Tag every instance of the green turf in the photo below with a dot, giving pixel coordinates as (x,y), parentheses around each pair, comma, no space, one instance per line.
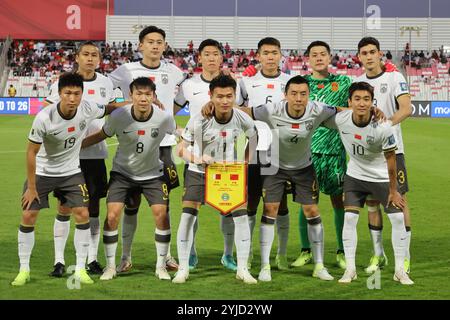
(427,154)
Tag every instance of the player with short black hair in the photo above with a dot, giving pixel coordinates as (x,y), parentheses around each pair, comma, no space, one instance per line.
(167,77)
(59,128)
(205,141)
(97,89)
(139,127)
(328,154)
(371,171)
(392,97)
(266,86)
(195,92)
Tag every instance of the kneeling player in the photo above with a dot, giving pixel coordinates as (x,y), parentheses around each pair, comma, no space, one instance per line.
(371,171)
(213,140)
(139,127)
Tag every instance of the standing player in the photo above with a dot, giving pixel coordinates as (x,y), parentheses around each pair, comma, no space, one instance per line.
(328,154)
(59,128)
(371,170)
(195,92)
(267,86)
(166,76)
(206,141)
(295,120)
(392,97)
(139,127)
(97,89)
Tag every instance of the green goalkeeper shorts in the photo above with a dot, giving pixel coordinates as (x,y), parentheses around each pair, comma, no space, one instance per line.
(330,171)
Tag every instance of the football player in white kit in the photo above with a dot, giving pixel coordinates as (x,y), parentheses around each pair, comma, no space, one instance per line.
(53,164)
(140,127)
(205,141)
(392,97)
(292,122)
(166,76)
(98,89)
(267,86)
(195,92)
(372,171)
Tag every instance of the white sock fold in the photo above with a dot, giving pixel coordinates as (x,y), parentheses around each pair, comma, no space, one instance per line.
(399,238)
(162,240)
(242,240)
(377,241)
(25,245)
(227,228)
(94,239)
(315,235)
(110,247)
(350,238)
(266,236)
(184,239)
(61,230)
(81,242)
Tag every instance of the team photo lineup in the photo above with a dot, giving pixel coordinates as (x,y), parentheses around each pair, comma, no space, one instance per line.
(296,136)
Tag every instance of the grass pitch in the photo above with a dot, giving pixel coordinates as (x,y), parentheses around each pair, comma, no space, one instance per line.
(427,159)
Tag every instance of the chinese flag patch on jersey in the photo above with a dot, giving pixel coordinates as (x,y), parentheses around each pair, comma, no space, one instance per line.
(320,86)
(358,137)
(223,133)
(71,129)
(234,177)
(141,132)
(270,86)
(91,91)
(152,78)
(296,126)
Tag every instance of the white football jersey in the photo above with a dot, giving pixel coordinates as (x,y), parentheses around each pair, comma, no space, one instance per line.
(365,146)
(294,134)
(215,139)
(258,90)
(61,138)
(195,92)
(137,155)
(388,87)
(98,90)
(166,78)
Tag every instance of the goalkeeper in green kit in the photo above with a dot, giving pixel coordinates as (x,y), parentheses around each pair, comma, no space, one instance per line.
(328,153)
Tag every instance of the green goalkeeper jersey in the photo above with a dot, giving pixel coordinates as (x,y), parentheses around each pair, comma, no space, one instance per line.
(333,91)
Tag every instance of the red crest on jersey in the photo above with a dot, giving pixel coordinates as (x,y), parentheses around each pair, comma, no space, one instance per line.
(91,91)
(335,86)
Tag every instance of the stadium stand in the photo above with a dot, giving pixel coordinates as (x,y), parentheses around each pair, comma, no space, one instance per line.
(34,65)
